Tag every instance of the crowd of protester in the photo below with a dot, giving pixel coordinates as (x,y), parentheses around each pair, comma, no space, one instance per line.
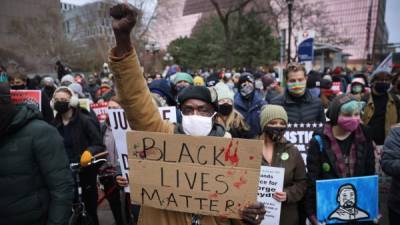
(359,110)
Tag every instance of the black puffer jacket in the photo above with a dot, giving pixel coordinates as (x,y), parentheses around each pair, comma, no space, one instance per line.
(390,163)
(318,161)
(301,110)
(82,133)
(36,186)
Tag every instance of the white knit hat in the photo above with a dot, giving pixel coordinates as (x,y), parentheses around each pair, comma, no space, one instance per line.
(223,91)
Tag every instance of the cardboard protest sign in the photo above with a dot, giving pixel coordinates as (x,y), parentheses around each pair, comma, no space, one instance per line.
(300,135)
(347,199)
(202,175)
(29,97)
(168,113)
(100,109)
(271,181)
(84,103)
(120,126)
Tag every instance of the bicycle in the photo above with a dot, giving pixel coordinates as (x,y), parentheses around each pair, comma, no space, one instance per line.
(79,214)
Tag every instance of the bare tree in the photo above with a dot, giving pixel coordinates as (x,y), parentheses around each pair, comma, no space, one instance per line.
(39,40)
(310,16)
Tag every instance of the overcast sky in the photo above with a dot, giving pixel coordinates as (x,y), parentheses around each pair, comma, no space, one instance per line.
(392,15)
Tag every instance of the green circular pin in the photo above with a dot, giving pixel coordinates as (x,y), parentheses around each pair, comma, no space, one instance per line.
(326,167)
(285,156)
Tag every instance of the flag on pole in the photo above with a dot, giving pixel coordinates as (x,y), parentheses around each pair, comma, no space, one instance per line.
(386,64)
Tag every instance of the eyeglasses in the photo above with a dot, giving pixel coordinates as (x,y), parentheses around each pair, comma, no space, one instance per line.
(201,111)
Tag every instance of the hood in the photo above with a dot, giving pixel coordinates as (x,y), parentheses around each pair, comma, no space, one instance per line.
(24,115)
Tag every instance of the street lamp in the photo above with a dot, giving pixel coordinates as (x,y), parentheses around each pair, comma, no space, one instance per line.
(290,7)
(152,47)
(168,58)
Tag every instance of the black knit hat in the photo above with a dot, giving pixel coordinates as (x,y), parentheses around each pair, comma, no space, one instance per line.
(197,92)
(245,77)
(336,104)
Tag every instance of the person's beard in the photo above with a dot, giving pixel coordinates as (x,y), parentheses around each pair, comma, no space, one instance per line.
(348,204)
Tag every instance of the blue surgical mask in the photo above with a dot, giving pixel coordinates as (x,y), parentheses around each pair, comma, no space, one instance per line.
(315,92)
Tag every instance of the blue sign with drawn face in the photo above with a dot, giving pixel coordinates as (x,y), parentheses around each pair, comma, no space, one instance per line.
(347,199)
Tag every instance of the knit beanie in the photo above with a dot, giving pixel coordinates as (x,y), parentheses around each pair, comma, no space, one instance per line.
(77,89)
(212,80)
(267,80)
(198,81)
(197,92)
(223,91)
(183,77)
(336,104)
(270,112)
(245,77)
(67,78)
(163,88)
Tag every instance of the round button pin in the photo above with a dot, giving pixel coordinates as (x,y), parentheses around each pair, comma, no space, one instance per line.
(326,167)
(285,156)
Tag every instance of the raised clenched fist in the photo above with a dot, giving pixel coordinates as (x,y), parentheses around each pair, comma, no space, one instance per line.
(125,17)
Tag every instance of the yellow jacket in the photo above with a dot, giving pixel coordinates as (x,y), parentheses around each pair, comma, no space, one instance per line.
(142,115)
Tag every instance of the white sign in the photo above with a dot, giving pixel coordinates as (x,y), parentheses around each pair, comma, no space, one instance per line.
(168,113)
(120,126)
(271,181)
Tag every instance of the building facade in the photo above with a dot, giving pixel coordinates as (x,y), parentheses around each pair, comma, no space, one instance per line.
(353,19)
(67,6)
(89,22)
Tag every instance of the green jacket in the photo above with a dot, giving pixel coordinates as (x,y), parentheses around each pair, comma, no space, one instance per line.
(36,185)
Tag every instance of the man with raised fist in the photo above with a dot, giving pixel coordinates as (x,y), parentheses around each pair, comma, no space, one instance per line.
(198,107)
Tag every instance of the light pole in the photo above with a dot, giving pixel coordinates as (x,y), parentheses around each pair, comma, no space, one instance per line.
(290,7)
(153,48)
(168,58)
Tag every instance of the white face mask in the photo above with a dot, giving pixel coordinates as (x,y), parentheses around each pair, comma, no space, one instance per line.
(259,84)
(197,125)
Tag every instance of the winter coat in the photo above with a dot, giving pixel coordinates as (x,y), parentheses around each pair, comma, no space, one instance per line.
(36,185)
(303,110)
(295,180)
(390,163)
(143,115)
(250,110)
(82,133)
(321,164)
(391,117)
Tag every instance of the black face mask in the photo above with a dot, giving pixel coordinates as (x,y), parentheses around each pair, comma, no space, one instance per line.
(18,87)
(381,87)
(275,133)
(7,112)
(61,107)
(225,109)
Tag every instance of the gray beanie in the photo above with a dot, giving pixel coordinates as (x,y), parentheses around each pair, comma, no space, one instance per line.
(270,112)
